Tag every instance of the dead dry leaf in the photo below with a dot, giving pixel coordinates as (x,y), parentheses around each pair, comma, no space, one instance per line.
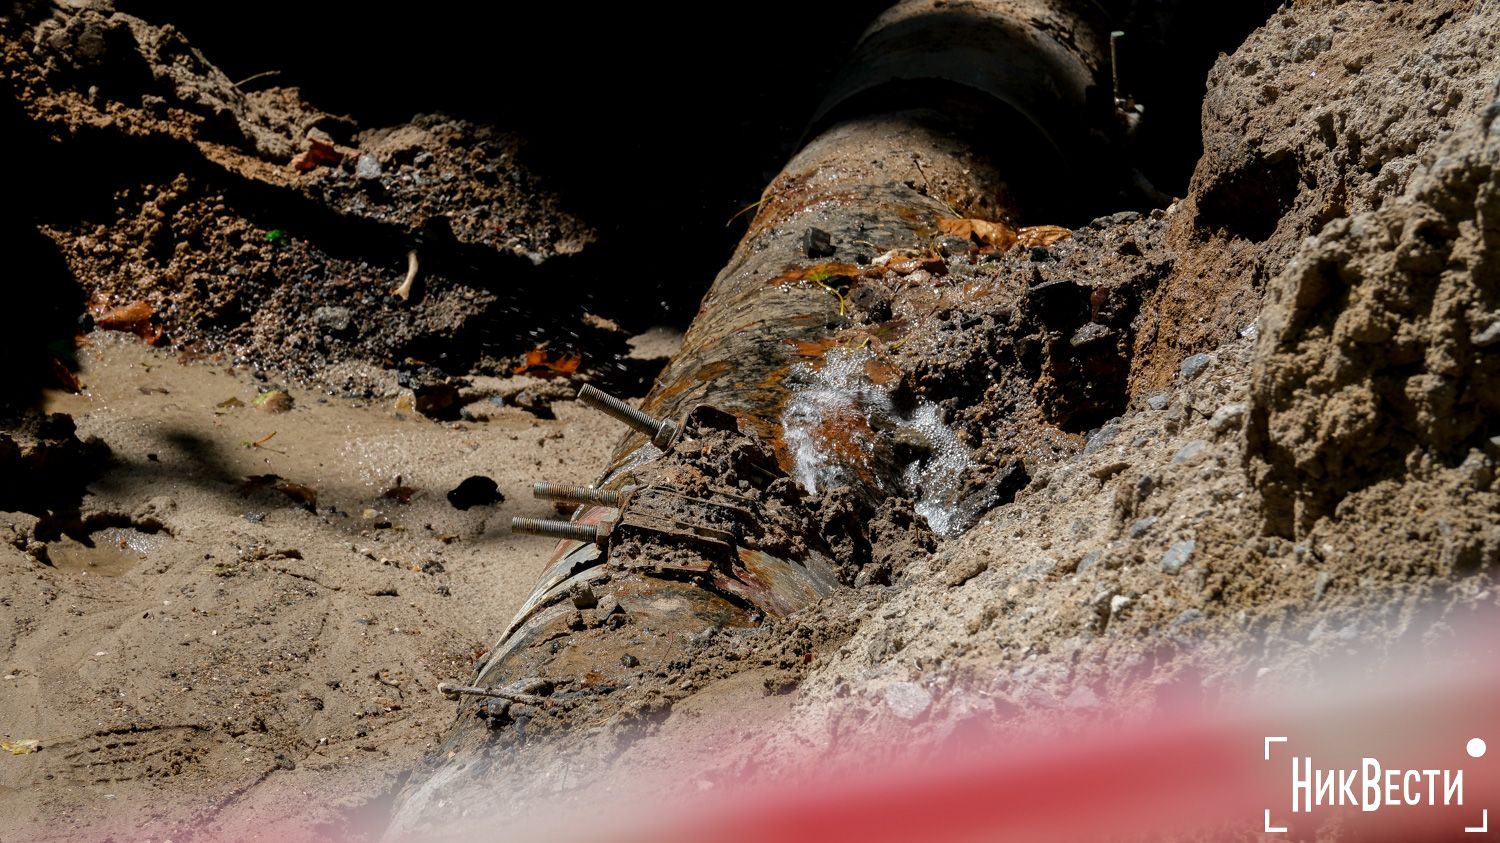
(1041,236)
(21,747)
(993,235)
(544,361)
(135,318)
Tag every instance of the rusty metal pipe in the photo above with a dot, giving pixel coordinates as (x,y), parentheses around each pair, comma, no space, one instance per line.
(939,113)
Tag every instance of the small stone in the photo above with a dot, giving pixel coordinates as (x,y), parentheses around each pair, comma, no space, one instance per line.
(1142,526)
(1159,401)
(1118,603)
(1320,585)
(582,596)
(1186,616)
(336,320)
(948,246)
(1194,365)
(1226,418)
(817,243)
(1177,556)
(423,159)
(1108,470)
(608,605)
(1144,487)
(1088,561)
(907,700)
(1487,336)
(628,660)
(1091,334)
(477,490)
(1101,437)
(1190,452)
(1081,697)
(367,168)
(966,570)
(275,401)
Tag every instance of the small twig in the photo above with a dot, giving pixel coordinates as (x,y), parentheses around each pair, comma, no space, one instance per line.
(403,292)
(451,690)
(263,440)
(264,74)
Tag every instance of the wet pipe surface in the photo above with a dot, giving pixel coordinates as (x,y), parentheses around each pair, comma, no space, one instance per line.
(713,532)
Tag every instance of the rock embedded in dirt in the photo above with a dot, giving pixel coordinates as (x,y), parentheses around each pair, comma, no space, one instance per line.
(1193,365)
(907,700)
(1178,555)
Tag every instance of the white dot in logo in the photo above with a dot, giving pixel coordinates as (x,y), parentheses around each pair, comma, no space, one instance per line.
(1476,747)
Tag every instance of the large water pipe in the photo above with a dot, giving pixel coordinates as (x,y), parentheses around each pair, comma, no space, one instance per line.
(981,109)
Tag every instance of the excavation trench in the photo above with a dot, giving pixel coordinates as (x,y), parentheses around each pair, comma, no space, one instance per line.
(777,457)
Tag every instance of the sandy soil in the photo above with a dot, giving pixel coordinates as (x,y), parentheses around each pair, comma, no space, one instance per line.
(203,652)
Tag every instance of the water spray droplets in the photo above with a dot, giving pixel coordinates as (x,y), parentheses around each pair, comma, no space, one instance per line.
(840,427)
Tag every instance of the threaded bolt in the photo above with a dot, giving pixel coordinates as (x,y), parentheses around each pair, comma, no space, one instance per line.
(660,431)
(576,494)
(555,529)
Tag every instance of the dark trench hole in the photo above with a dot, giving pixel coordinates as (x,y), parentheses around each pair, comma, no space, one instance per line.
(654,137)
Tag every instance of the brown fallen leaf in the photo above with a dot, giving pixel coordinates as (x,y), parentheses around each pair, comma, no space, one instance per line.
(994,235)
(398,492)
(819,273)
(300,494)
(318,153)
(135,318)
(1041,236)
(932,262)
(543,360)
